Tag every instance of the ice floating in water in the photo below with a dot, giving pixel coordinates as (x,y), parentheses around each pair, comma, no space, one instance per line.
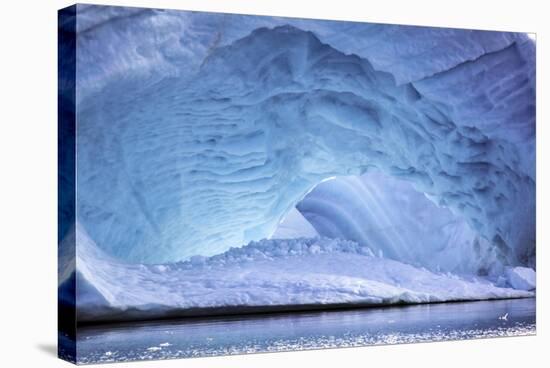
(186,149)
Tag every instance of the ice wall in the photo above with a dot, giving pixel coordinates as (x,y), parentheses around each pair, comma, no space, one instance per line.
(193,139)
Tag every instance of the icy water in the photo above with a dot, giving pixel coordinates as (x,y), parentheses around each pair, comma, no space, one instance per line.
(305,330)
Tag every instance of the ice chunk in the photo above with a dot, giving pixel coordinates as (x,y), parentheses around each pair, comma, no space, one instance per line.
(522,278)
(294,225)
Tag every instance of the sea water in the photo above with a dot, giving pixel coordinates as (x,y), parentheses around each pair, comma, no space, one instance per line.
(241,334)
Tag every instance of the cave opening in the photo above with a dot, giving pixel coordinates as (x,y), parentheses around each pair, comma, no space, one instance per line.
(389,216)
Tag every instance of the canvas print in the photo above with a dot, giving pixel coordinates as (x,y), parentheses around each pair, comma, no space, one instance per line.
(234,184)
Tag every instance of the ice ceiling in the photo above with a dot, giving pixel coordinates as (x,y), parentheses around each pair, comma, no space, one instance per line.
(198,132)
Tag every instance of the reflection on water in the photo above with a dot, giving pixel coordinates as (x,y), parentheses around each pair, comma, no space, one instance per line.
(300,331)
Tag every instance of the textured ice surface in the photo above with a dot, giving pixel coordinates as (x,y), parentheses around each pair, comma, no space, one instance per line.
(201,132)
(268,273)
(209,129)
(154,43)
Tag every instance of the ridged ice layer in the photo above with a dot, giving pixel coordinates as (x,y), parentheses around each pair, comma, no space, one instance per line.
(194,147)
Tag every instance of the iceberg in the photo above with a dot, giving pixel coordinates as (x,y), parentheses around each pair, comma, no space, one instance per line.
(228,161)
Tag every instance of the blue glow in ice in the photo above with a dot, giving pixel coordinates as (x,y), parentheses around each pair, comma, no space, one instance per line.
(215,150)
(201,139)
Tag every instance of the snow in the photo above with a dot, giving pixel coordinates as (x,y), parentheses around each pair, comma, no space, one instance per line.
(522,278)
(211,144)
(266,274)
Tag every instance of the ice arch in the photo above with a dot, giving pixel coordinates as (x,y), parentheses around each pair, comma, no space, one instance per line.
(184,165)
(391,218)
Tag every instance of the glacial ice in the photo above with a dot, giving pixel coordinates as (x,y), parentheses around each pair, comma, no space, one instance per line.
(267,274)
(247,127)
(405,153)
(521,278)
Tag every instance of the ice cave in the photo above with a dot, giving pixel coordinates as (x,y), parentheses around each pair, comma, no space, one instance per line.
(227,160)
